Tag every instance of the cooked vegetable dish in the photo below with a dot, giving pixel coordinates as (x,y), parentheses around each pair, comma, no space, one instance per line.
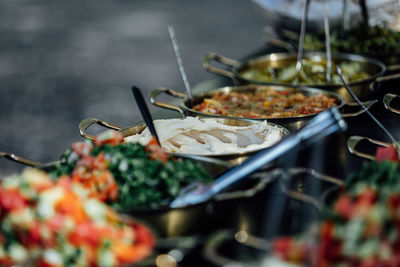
(361,228)
(52,224)
(371,41)
(312,72)
(266,103)
(129,176)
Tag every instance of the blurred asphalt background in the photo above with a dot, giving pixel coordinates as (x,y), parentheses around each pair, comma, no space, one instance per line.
(63,61)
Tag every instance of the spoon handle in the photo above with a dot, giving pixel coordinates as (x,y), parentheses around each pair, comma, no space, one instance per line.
(185,80)
(302,35)
(144,110)
(327,44)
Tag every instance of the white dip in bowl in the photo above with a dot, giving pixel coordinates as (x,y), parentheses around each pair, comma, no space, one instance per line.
(209,136)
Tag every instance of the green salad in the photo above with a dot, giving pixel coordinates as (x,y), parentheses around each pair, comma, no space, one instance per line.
(359,40)
(146,177)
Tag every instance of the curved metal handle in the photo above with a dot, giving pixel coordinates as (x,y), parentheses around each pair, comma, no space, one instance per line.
(281,44)
(354,140)
(264,179)
(367,104)
(386,102)
(207,58)
(393,68)
(21,160)
(387,78)
(86,123)
(156,92)
(313,173)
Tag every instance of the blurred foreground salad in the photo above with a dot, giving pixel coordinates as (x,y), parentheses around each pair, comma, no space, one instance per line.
(52,224)
(361,227)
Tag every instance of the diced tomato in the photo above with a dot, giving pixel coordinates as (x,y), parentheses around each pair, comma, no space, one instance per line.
(12,200)
(367,197)
(386,153)
(394,201)
(43,263)
(156,152)
(110,137)
(6,261)
(344,206)
(82,148)
(129,254)
(31,237)
(64,181)
(143,235)
(86,233)
(100,162)
(282,246)
(56,222)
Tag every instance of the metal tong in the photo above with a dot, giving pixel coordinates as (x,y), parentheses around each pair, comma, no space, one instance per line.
(302,35)
(320,126)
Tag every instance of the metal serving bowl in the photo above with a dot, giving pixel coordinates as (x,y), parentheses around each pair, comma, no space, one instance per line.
(234,158)
(191,220)
(365,89)
(288,40)
(291,123)
(247,243)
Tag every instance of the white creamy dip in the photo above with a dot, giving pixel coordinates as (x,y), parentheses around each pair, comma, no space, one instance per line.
(193,135)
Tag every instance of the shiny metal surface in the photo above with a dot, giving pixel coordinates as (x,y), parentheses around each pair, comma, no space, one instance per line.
(377,122)
(387,100)
(292,123)
(354,141)
(364,89)
(234,158)
(302,35)
(324,124)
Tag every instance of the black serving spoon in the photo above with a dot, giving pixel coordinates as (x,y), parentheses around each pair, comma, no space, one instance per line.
(144,110)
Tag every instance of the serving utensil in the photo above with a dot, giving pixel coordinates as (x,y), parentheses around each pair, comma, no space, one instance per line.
(385,130)
(346,16)
(327,44)
(144,110)
(364,12)
(302,35)
(180,64)
(322,125)
(364,88)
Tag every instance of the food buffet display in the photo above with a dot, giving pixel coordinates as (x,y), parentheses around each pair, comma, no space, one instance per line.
(83,209)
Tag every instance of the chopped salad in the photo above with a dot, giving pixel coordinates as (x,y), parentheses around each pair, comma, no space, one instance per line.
(129,176)
(48,223)
(361,228)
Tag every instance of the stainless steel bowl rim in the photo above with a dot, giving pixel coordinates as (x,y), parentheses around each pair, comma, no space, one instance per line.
(336,56)
(282,129)
(227,89)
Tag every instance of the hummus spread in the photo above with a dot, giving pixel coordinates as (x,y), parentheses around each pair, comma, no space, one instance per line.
(193,135)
